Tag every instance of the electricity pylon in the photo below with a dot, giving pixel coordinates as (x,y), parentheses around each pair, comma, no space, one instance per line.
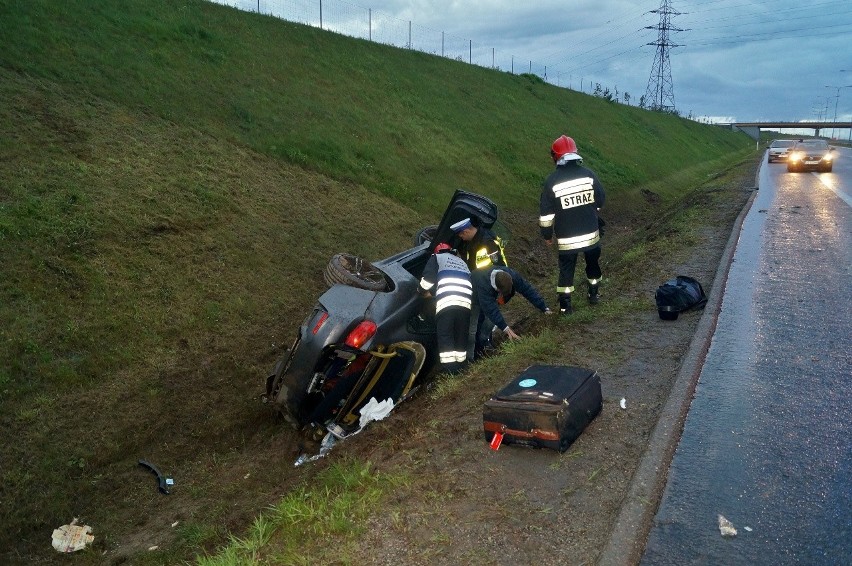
(660,92)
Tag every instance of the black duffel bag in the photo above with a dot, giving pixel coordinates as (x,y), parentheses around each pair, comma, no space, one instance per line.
(678,295)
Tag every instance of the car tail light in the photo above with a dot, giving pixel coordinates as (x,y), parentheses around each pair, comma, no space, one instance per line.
(363,332)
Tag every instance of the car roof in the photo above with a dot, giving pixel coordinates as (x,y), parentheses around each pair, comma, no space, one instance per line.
(782,143)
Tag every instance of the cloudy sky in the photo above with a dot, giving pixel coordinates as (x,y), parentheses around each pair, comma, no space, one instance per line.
(740,60)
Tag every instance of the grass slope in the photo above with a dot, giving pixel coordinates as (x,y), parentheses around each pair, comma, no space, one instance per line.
(176,175)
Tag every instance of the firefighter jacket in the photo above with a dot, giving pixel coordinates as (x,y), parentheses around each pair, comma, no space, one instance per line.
(483,250)
(447,277)
(487,294)
(570,199)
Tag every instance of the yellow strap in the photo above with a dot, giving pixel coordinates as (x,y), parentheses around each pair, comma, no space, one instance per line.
(350,417)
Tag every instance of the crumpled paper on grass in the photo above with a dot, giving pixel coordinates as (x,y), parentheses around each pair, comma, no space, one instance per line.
(726,528)
(72,537)
(374,411)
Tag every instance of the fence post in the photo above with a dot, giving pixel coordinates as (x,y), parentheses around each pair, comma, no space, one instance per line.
(442,44)
(513,64)
(258,6)
(530,66)
(409,34)
(470,52)
(320,1)
(492,57)
(370,24)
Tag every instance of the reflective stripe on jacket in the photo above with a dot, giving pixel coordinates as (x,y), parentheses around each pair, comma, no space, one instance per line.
(570,198)
(450,278)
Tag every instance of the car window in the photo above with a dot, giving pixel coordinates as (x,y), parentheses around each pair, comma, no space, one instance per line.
(783,143)
(815,144)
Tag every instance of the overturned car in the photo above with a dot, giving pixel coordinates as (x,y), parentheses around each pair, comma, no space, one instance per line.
(369,335)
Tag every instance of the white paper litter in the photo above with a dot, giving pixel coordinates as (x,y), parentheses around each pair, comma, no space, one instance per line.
(726,528)
(748,529)
(623,403)
(374,411)
(72,537)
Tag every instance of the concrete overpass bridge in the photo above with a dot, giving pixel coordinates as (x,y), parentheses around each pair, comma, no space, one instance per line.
(753,128)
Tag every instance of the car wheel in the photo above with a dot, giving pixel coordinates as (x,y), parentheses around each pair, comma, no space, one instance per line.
(283,396)
(426,234)
(826,169)
(791,169)
(354,271)
(768,159)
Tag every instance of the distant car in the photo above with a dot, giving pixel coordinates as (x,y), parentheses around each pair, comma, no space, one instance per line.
(368,335)
(810,155)
(778,150)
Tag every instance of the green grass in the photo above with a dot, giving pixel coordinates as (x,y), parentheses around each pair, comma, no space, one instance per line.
(311,524)
(175,177)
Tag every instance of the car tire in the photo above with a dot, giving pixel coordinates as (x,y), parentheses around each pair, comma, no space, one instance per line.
(826,169)
(768,159)
(791,169)
(351,270)
(426,234)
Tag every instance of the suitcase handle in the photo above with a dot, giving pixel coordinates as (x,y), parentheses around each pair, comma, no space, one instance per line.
(536,433)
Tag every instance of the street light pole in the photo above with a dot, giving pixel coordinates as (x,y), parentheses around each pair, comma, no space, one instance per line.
(850,129)
(836,100)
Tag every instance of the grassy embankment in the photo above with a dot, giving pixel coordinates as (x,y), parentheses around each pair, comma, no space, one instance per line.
(176,175)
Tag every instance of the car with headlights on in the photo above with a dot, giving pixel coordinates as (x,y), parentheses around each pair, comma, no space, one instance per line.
(810,155)
(778,150)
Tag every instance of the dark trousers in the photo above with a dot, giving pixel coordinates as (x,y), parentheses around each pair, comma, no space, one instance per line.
(451,333)
(484,330)
(568,263)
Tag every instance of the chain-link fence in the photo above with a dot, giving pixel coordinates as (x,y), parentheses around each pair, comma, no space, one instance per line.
(374,25)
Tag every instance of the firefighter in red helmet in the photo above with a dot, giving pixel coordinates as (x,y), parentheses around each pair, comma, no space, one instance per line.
(568,213)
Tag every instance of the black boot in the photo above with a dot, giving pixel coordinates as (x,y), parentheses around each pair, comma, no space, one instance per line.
(593,294)
(565,304)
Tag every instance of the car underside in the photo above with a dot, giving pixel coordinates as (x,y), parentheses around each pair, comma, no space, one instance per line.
(369,336)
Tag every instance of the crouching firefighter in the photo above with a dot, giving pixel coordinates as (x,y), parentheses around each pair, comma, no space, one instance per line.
(570,199)
(446,277)
(482,250)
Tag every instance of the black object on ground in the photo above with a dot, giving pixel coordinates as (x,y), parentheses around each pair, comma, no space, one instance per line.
(677,295)
(162,481)
(544,406)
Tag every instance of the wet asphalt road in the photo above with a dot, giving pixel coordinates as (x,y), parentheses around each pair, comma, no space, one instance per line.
(767,442)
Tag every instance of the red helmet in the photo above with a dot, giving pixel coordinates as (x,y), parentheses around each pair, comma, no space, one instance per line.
(561,146)
(442,247)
